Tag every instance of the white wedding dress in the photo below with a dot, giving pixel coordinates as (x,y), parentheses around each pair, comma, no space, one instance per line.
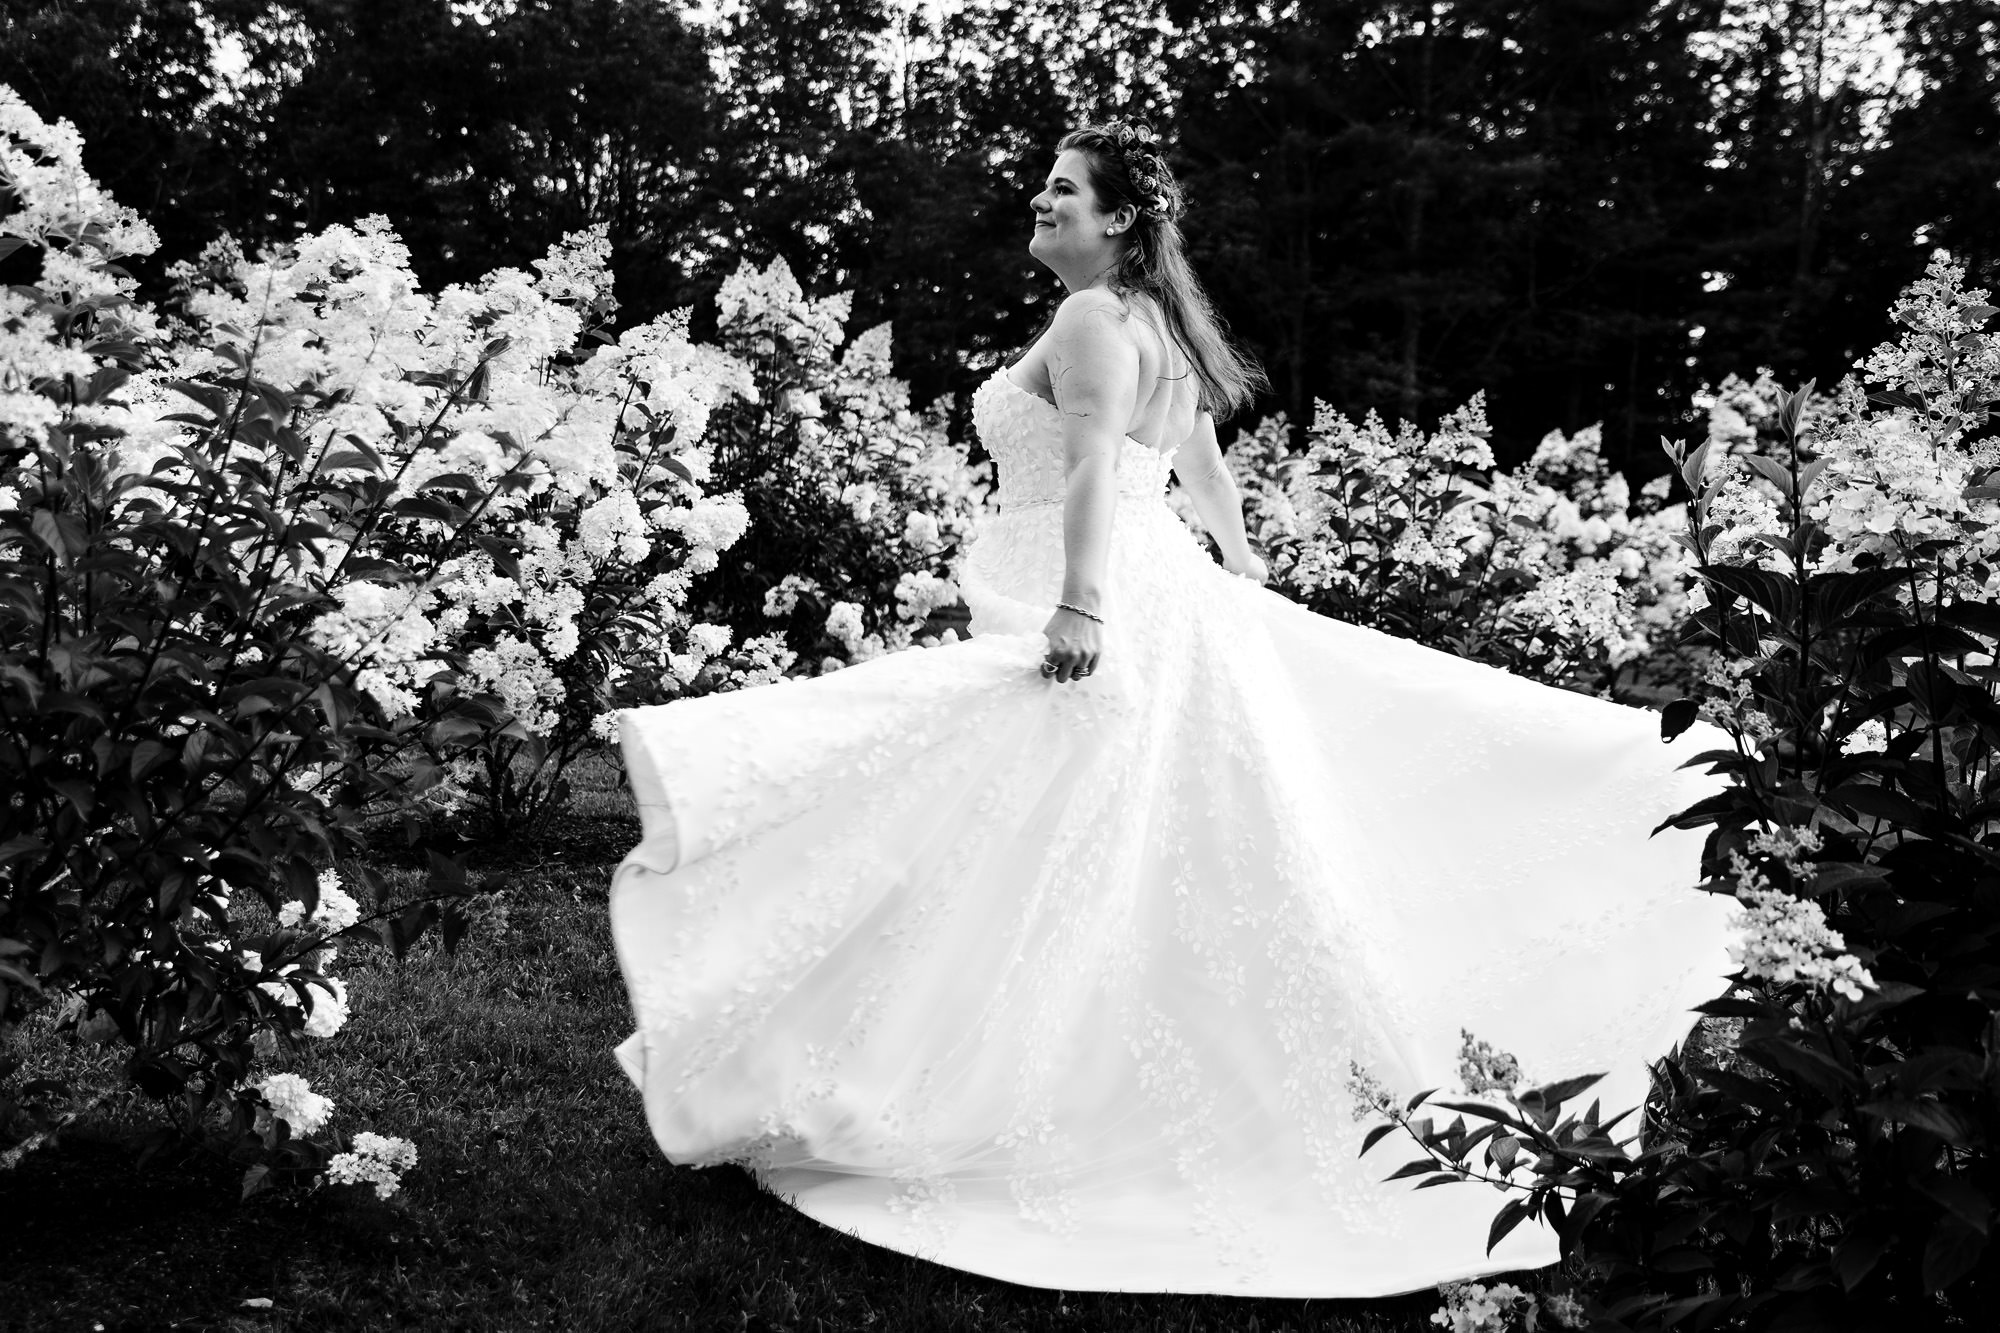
(1063,984)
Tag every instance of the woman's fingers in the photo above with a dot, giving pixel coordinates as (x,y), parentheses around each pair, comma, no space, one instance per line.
(1066,666)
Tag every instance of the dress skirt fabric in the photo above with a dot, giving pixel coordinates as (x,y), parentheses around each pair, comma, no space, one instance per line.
(1067,984)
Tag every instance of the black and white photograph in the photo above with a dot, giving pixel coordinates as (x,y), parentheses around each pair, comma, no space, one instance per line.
(1048,666)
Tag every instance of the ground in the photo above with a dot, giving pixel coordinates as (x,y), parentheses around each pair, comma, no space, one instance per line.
(539,1200)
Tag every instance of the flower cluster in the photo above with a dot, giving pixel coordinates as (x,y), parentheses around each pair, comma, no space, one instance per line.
(49,201)
(361,547)
(290,1098)
(550,501)
(1483,1067)
(1138,150)
(870,501)
(1553,569)
(377,1160)
(1786,938)
(1470,1307)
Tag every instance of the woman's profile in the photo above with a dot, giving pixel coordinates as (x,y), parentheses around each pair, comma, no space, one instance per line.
(1052,954)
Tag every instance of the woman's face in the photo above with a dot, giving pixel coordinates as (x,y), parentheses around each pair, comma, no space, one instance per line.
(1069,225)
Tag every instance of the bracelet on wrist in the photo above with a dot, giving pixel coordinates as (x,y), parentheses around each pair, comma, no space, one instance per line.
(1087,615)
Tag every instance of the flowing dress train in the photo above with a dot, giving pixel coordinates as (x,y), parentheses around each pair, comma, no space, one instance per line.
(1065,984)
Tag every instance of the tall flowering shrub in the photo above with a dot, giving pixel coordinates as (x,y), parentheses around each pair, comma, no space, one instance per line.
(317,546)
(1838,1167)
(1552,570)
(858,504)
(545,481)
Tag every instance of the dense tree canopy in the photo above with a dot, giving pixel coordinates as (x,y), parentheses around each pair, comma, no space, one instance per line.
(1586,208)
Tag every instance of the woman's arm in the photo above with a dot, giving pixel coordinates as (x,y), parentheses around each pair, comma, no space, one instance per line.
(1207,480)
(1094,371)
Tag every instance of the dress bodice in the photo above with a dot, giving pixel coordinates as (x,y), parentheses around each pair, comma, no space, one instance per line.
(1021,430)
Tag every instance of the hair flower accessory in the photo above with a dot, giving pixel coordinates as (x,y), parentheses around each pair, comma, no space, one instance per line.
(1130,133)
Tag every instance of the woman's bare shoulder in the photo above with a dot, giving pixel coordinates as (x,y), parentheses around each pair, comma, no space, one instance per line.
(1093,310)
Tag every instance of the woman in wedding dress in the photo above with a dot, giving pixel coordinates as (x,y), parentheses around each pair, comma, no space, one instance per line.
(1050,954)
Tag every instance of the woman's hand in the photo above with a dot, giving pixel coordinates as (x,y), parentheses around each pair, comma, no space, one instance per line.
(1075,643)
(1251,566)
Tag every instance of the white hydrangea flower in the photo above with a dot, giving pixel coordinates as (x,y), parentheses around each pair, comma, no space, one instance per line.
(862,498)
(387,633)
(843,622)
(54,198)
(783,599)
(920,531)
(613,524)
(291,1099)
(376,1160)
(1871,737)
(712,523)
(920,592)
(336,912)
(1786,939)
(1470,1307)
(327,1011)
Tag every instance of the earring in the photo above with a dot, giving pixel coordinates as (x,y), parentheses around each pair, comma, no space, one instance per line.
(1111,231)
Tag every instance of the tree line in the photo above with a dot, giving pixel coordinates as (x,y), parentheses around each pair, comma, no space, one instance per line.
(1585,208)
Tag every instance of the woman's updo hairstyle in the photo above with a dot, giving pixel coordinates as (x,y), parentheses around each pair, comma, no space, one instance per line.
(1128,168)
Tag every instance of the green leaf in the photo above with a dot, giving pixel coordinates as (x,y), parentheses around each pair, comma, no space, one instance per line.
(1677,717)
(1859,1253)
(146,756)
(450,481)
(1680,1259)
(1375,1136)
(1555,1094)
(255,1179)
(20,845)
(1510,1216)
(1953,1252)
(1772,471)
(349,458)
(1947,1122)
(453,924)
(1835,596)
(1793,408)
(1775,594)
(1963,1199)
(1809,473)
(1897,398)
(1695,465)
(1856,798)
(1834,876)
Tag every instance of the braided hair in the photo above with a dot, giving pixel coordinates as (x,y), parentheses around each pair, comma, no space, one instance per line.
(1127,168)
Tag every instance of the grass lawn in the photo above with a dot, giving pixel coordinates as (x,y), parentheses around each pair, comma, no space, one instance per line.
(539,1200)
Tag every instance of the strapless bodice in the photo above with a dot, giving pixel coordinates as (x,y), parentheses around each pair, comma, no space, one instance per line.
(1022,431)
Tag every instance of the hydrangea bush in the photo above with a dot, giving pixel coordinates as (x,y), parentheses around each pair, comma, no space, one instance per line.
(860,505)
(317,546)
(542,483)
(1838,1168)
(1553,570)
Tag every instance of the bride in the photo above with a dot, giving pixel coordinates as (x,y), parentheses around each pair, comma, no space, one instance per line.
(1053,954)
